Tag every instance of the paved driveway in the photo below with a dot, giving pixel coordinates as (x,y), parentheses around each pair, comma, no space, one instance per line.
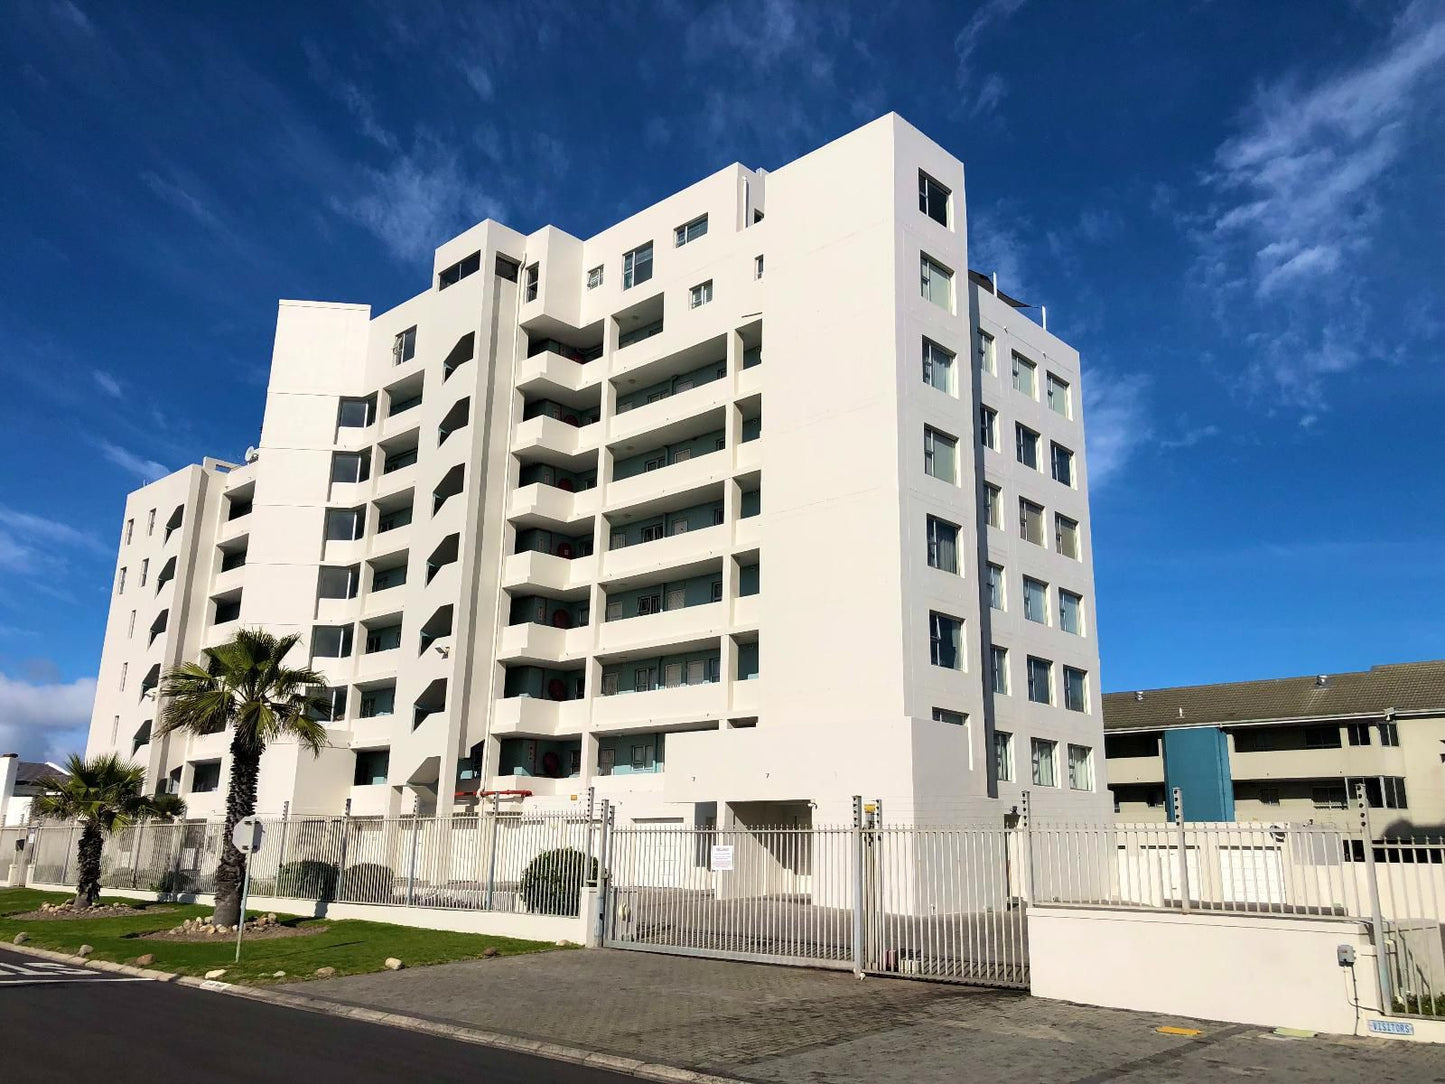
(764,1023)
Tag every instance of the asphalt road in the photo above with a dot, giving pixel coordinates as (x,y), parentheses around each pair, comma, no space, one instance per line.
(69,1023)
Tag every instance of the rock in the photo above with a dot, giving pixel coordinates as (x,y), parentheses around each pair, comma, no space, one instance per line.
(491,951)
(271,916)
(325,972)
(278,975)
(21,938)
(216,974)
(393,964)
(84,950)
(146,960)
(563,943)
(208,928)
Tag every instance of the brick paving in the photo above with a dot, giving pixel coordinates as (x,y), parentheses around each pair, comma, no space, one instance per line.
(761,1023)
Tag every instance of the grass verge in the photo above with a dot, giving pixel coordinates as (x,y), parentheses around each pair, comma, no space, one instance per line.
(352,948)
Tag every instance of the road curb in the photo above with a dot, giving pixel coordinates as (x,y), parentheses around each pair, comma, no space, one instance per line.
(643,1070)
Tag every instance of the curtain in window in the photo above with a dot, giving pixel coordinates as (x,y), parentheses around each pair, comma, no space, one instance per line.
(1043,758)
(947,539)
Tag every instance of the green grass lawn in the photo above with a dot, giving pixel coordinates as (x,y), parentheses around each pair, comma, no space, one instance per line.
(351,947)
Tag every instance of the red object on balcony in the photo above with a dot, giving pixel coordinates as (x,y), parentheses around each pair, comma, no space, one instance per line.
(557,689)
(565,485)
(564,550)
(561,619)
(571,419)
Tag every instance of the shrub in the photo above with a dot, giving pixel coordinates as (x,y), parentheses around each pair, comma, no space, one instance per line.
(367,882)
(172,883)
(552,882)
(307,879)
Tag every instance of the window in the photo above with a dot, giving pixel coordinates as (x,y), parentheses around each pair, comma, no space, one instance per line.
(998,669)
(996,588)
(1036,601)
(953,718)
(403,347)
(992,505)
(131,630)
(344,524)
(1041,680)
(382,638)
(124,670)
(129,530)
(942,545)
(331,641)
(1003,755)
(1071,612)
(637,266)
(700,294)
(329,705)
(1025,373)
(378,703)
(454,274)
(932,198)
(648,604)
(205,776)
(1076,689)
(350,467)
(1359,733)
(1031,522)
(390,521)
(356,413)
(937,283)
(1329,796)
(609,684)
(652,532)
(1066,536)
(371,767)
(717,590)
(691,231)
(757,267)
(384,579)
(945,641)
(151,522)
(227,609)
(940,455)
(1081,767)
(1322,737)
(144,570)
(988,426)
(1043,754)
(594,277)
(1026,446)
(937,366)
(336,582)
(1389,734)
(987,358)
(1269,796)
(1062,461)
(1058,395)
(530,279)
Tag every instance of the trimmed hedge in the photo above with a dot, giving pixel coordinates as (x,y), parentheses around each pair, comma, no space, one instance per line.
(307,879)
(367,882)
(552,882)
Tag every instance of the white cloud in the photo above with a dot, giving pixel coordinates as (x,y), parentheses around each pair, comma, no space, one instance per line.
(33,544)
(178,195)
(108,384)
(72,14)
(44,720)
(965,44)
(147,470)
(995,245)
(1116,419)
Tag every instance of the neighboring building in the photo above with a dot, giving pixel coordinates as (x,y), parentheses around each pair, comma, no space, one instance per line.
(1289,749)
(20,782)
(735,506)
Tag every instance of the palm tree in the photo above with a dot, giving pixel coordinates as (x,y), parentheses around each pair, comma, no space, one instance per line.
(104,794)
(248,688)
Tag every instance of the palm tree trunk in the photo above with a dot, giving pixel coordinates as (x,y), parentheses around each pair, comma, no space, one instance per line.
(240,803)
(87,885)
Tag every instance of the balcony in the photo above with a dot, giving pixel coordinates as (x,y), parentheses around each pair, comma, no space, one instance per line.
(1135,769)
(689,623)
(748,533)
(747,611)
(675,478)
(670,410)
(539,505)
(551,440)
(746,696)
(541,644)
(749,456)
(682,703)
(673,550)
(750,382)
(551,375)
(549,572)
(526,716)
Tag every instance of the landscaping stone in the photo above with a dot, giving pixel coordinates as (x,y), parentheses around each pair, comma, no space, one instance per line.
(84,950)
(146,960)
(278,975)
(216,974)
(393,964)
(491,951)
(21,938)
(325,972)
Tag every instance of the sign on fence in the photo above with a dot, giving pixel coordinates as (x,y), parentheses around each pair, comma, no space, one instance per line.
(722,857)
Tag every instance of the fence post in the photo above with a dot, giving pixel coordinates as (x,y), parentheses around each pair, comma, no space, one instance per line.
(587,869)
(604,867)
(1177,796)
(492,855)
(858,848)
(1026,844)
(285,825)
(135,855)
(69,850)
(1377,914)
(411,871)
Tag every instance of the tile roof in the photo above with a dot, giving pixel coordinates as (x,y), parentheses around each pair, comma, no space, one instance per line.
(29,771)
(1413,686)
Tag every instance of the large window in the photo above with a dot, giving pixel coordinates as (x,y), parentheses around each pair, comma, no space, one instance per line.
(1081,767)
(637,266)
(1071,612)
(932,198)
(372,766)
(403,347)
(350,467)
(1076,689)
(1026,446)
(1058,392)
(987,360)
(205,776)
(995,587)
(356,413)
(1062,461)
(945,641)
(953,718)
(1066,535)
(992,505)
(344,524)
(937,283)
(454,274)
(331,641)
(937,366)
(988,426)
(1036,600)
(1044,753)
(1026,377)
(942,545)
(998,669)
(940,455)
(1041,680)
(530,278)
(1031,522)
(689,231)
(1003,755)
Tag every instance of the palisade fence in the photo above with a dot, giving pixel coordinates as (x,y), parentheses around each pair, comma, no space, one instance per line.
(477,862)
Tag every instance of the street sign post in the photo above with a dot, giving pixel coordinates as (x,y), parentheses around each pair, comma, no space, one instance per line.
(247,836)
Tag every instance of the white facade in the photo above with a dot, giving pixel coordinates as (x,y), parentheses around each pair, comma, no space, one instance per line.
(668,529)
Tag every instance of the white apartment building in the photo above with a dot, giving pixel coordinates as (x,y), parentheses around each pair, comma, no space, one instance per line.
(749,503)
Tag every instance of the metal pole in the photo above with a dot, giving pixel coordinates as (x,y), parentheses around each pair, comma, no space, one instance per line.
(1177,797)
(411,872)
(858,885)
(1026,837)
(135,855)
(1377,914)
(245,895)
(492,855)
(604,872)
(588,869)
(285,825)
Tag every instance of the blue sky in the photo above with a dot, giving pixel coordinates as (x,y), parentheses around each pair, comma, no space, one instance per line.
(1233,210)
